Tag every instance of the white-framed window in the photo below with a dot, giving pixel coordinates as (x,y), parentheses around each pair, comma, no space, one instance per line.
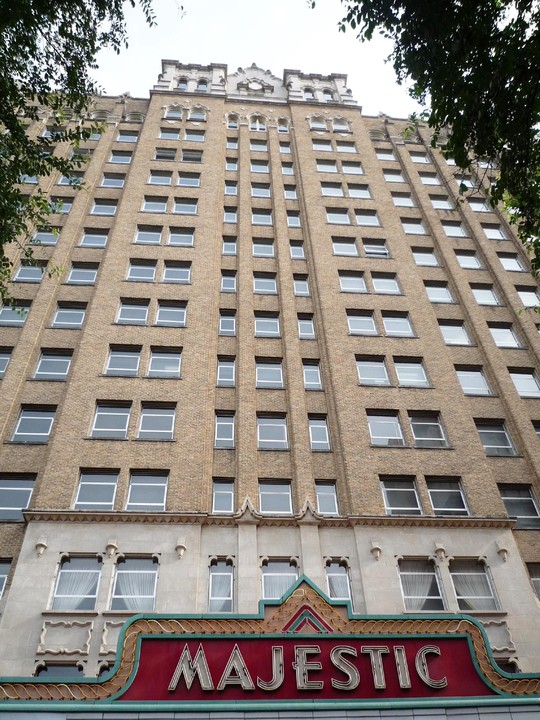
(111,421)
(46,237)
(397,324)
(232,143)
(309,94)
(147,491)
(69,316)
(494,232)
(385,428)
(306,326)
(260,216)
(438,292)
(372,371)
(177,272)
(165,362)
(123,157)
(503,335)
(165,154)
(260,190)
(420,586)
(400,496)
(468,260)
(272,432)
(340,125)
(82,273)
(259,166)
(472,585)
(424,256)
(156,422)
(275,497)
(171,313)
(267,325)
(521,504)
(123,361)
(402,199)
(258,145)
(263,247)
(229,245)
(192,156)
(301,285)
(277,577)
(326,498)
(185,206)
(344,246)
(352,282)
(385,284)
(529,296)
(187,179)
(359,191)
(446,496)
(479,205)
(441,202)
(96,490)
(77,584)
(385,154)
(231,187)
(289,192)
(104,207)
(220,587)
(511,262)
(132,312)
(338,216)
(484,294)
(318,144)
(361,323)
(317,123)
(15,493)
(419,157)
(413,226)
(393,176)
(319,437)
(473,381)
(5,357)
(34,424)
(287,168)
(228,281)
(427,430)
(366,218)
(225,371)
(181,237)
(328,96)
(326,166)
(222,495)
(135,584)
(430,179)
(159,177)
(495,437)
(337,580)
(62,205)
(169,133)
(129,136)
(269,373)
(191,135)
(411,372)
(141,270)
(232,165)
(526,382)
(454,332)
(257,123)
(197,114)
(349,167)
(344,146)
(232,122)
(53,365)
(297,250)
(227,322)
(282,125)
(293,218)
(375,248)
(224,430)
(148,235)
(175,112)
(30,273)
(312,375)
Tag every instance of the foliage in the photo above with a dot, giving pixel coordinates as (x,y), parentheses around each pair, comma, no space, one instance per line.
(48,50)
(475,64)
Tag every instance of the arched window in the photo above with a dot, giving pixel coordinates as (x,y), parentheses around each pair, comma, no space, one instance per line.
(317,123)
(197,113)
(202,85)
(340,125)
(283,125)
(232,122)
(173,112)
(328,95)
(309,94)
(257,122)
(182,84)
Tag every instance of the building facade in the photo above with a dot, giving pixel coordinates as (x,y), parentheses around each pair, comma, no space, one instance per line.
(279,341)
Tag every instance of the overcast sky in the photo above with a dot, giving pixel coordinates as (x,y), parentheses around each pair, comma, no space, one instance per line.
(275,34)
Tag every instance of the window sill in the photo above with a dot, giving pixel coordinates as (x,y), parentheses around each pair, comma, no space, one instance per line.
(166,440)
(109,439)
(273,449)
(67,613)
(25,442)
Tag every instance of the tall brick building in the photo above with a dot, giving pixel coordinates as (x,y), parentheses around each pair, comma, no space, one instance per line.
(280,343)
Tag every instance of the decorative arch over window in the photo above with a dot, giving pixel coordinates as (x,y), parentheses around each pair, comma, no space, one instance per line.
(174,112)
(135,117)
(100,115)
(198,113)
(318,122)
(283,125)
(257,122)
(233,121)
(340,124)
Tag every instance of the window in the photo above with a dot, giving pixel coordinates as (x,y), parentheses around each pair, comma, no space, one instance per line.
(282,126)
(520,504)
(97,490)
(223,496)
(289,192)
(185,206)
(478,205)
(425,257)
(293,218)
(220,587)
(534,572)
(132,312)
(257,122)
(438,292)
(175,112)
(277,577)
(375,248)
(46,237)
(385,284)
(411,372)
(61,205)
(344,246)
(260,190)
(511,262)
(231,187)
(158,177)
(287,168)
(328,96)
(472,381)
(225,376)
(5,357)
(528,296)
(352,282)
(171,313)
(15,493)
(454,333)
(367,218)
(135,582)
(372,371)
(319,144)
(526,383)
(361,323)
(156,422)
(83,273)
(224,430)
(263,247)
(338,216)
(189,179)
(297,250)
(326,498)
(420,586)
(111,421)
(177,272)
(345,147)
(130,136)
(258,145)
(69,316)
(472,586)
(352,168)
(94,238)
(275,497)
(429,179)
(53,365)
(272,432)
(259,216)
(484,294)
(419,157)
(301,284)
(123,361)
(165,362)
(337,580)
(192,156)
(400,496)
(232,164)
(318,434)
(393,176)
(403,200)
(165,154)
(441,202)
(468,260)
(147,491)
(194,135)
(317,123)
(181,237)
(328,166)
(14,314)
(312,375)
(202,86)
(340,125)
(123,157)
(169,134)
(228,281)
(141,270)
(269,373)
(259,166)
(495,438)
(227,322)
(267,325)
(359,191)
(427,430)
(503,335)
(385,429)
(148,235)
(384,154)
(446,496)
(306,327)
(34,424)
(285,148)
(77,584)
(397,324)
(229,245)
(412,226)
(494,232)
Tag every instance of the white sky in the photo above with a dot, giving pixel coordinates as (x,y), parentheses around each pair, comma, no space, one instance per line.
(275,34)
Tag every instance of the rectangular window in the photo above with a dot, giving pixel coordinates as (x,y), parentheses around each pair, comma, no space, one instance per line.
(141,270)
(5,357)
(157,177)
(375,248)
(306,327)
(472,381)
(269,373)
(323,145)
(263,247)
(232,143)
(228,281)
(427,430)
(220,587)
(267,325)
(393,176)
(397,324)
(275,497)
(15,493)
(130,136)
(468,260)
(446,496)
(429,179)
(77,584)
(82,274)
(132,312)
(189,179)
(420,586)
(424,257)
(135,582)
(344,246)
(121,157)
(225,374)
(165,362)
(345,146)
(495,438)
(361,323)
(232,164)
(319,437)
(327,166)
(171,314)
(259,216)
(191,135)
(312,375)
(521,504)
(258,145)
(74,179)
(69,316)
(227,322)
(147,491)
(438,292)
(400,496)
(14,314)
(229,245)
(293,218)
(223,496)
(277,578)
(30,273)
(372,371)
(478,205)
(402,200)
(285,147)
(337,580)
(156,422)
(472,586)
(332,189)
(385,284)
(359,191)
(484,294)
(383,154)
(34,424)
(494,232)
(53,365)
(511,262)
(411,226)
(287,168)
(94,238)
(181,237)
(185,206)
(352,168)
(454,333)
(259,166)
(503,335)
(301,285)
(528,296)
(326,498)
(97,490)
(289,192)
(265,283)
(148,235)
(192,156)
(385,429)
(338,216)
(224,430)
(46,237)
(534,572)
(297,250)
(419,157)
(169,134)
(61,205)
(367,218)
(111,421)
(230,215)
(411,372)
(123,361)
(441,202)
(104,207)
(260,190)
(231,187)
(352,282)
(272,432)
(177,272)
(526,382)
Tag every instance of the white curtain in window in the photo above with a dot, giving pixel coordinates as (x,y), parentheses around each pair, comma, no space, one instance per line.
(77,586)
(473,591)
(338,586)
(416,579)
(221,593)
(277,585)
(136,589)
